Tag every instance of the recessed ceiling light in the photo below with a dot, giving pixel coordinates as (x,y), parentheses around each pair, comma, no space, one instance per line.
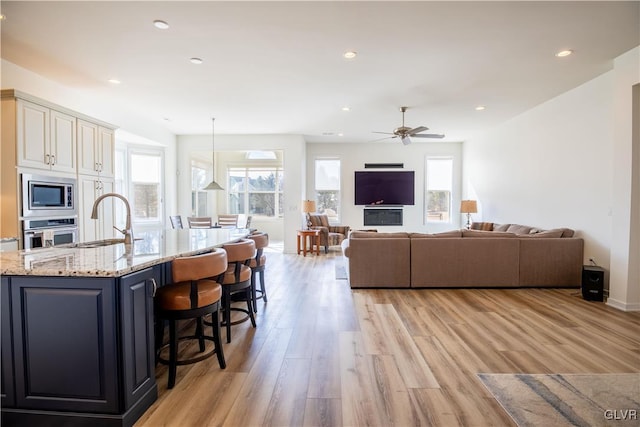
(350,54)
(160,24)
(341,134)
(480,107)
(114,81)
(346,108)
(564,53)
(196,61)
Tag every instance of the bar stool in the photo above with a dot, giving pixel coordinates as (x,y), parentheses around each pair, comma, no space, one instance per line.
(257,265)
(194,293)
(236,285)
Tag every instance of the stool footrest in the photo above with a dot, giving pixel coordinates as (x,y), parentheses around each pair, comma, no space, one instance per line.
(193,359)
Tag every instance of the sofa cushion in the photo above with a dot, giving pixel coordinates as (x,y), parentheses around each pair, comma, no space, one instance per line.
(486,234)
(452,233)
(500,227)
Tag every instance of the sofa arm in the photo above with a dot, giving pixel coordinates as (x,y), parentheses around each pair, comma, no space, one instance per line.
(342,229)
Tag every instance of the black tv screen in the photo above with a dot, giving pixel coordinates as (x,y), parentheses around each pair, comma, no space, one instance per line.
(384,188)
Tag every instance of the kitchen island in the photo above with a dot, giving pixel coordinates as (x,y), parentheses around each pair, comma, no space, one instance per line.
(77,327)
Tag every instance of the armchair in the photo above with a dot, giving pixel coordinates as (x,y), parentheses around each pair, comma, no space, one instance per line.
(330,235)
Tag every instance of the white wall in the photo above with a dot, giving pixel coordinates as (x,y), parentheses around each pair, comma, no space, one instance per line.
(353,156)
(131,127)
(566,163)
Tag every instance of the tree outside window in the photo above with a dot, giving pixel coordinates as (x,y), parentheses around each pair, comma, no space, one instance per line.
(255,191)
(198,182)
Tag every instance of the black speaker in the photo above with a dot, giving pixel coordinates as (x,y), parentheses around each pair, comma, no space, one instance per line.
(592,283)
(383,165)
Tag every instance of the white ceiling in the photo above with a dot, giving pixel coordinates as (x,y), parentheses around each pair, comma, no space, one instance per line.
(277,67)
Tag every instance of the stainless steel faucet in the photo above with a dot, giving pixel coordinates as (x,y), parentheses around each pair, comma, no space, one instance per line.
(128,232)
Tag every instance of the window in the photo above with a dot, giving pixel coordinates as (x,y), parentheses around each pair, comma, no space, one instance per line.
(146,186)
(438,188)
(256,191)
(327,186)
(198,182)
(139,177)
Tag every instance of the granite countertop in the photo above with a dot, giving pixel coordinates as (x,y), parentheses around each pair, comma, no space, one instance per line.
(154,247)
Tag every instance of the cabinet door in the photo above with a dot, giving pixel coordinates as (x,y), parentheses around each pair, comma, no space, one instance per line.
(7,393)
(136,301)
(107,151)
(65,343)
(33,135)
(87,147)
(96,229)
(62,142)
(107,211)
(89,191)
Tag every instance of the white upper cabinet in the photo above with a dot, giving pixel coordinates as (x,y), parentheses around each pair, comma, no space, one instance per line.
(96,147)
(46,138)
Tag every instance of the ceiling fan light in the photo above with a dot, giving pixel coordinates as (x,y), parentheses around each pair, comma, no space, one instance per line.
(213,185)
(406,140)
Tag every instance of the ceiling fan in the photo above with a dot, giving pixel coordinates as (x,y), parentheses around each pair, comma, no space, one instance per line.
(404,132)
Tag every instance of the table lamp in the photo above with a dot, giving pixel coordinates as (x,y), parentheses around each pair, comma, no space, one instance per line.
(308,206)
(468,207)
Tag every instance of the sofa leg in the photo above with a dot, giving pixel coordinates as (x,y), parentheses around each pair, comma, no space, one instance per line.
(326,249)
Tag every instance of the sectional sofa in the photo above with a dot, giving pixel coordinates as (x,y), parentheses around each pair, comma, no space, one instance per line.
(522,257)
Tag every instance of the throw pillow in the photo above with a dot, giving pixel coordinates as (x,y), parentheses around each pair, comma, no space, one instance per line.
(486,234)
(519,229)
(500,227)
(556,233)
(486,226)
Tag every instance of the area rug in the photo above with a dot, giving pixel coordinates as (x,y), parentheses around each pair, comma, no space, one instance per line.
(341,271)
(568,399)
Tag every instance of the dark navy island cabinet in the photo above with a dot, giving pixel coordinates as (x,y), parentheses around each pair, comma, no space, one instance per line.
(78,350)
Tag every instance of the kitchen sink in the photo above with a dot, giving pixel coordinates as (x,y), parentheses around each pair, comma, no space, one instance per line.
(98,243)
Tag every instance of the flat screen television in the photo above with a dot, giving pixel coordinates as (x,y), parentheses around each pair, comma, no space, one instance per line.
(381,188)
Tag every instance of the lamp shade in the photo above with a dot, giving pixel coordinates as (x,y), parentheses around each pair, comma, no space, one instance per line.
(213,185)
(308,206)
(468,206)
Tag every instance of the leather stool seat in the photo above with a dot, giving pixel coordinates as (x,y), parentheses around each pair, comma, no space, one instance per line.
(178,295)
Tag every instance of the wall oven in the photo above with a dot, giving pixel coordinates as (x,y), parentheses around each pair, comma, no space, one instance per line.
(41,233)
(44,196)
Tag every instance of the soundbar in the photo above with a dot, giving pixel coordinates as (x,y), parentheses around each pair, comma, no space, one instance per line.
(383,165)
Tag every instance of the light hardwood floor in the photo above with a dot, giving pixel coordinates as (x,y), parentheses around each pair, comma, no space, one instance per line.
(324,355)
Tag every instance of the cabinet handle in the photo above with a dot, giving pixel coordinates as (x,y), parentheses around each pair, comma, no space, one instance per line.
(96,167)
(100,167)
(53,160)
(155,286)
(47,159)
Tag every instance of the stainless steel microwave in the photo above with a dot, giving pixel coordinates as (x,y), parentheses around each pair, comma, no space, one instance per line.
(45,196)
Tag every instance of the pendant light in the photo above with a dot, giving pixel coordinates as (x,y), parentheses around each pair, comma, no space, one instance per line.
(213,185)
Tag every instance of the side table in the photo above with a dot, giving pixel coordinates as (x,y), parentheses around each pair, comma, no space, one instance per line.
(313,236)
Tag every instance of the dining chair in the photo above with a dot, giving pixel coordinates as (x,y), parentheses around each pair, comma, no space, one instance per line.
(176,221)
(228,220)
(199,221)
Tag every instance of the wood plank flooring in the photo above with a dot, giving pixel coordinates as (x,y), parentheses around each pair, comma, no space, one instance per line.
(324,355)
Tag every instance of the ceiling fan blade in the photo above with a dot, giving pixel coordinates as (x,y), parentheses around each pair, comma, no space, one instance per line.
(382,139)
(385,133)
(406,140)
(417,130)
(429,135)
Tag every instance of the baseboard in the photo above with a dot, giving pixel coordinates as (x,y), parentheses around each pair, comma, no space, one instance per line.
(620,305)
